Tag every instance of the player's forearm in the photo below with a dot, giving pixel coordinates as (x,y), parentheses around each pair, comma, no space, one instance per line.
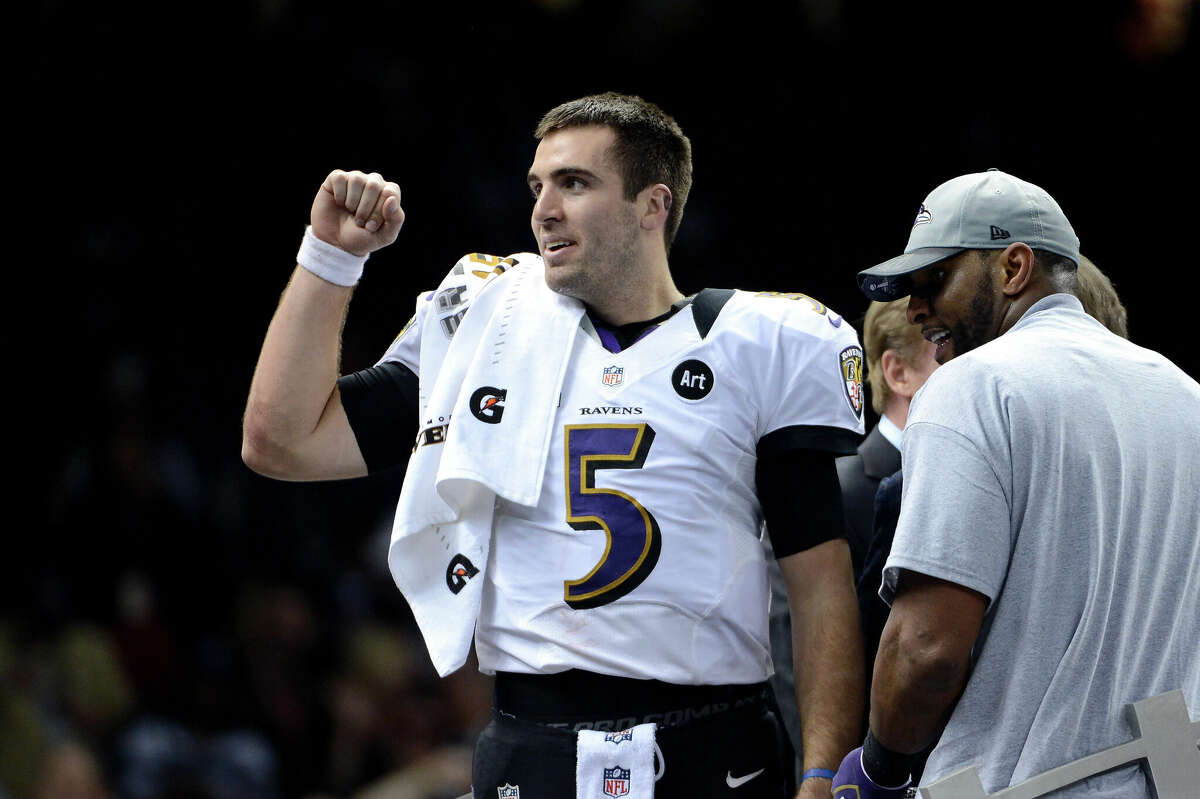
(296,377)
(827,654)
(829,683)
(915,684)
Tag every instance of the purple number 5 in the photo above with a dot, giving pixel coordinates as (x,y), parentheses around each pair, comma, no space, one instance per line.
(634,540)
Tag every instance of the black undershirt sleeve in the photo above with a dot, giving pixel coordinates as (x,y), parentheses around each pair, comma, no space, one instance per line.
(801,499)
(832,440)
(381,404)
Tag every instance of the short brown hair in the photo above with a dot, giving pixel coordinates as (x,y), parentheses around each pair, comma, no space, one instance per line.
(650,146)
(1100,299)
(886,328)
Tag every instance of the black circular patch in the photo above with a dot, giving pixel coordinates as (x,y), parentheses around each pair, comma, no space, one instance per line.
(692,380)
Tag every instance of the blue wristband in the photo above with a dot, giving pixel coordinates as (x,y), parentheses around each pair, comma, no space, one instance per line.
(823,773)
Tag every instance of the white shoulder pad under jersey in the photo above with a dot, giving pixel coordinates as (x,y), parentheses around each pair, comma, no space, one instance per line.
(803,363)
(441,311)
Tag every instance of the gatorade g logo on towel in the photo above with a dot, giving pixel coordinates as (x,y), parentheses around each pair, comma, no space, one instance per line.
(458,572)
(487,404)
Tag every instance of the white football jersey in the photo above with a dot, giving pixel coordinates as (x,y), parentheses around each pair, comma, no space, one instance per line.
(642,556)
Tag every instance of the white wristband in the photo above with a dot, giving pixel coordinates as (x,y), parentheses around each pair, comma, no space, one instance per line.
(329,262)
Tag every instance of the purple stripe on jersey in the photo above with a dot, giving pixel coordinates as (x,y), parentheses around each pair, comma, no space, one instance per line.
(612,342)
(607,338)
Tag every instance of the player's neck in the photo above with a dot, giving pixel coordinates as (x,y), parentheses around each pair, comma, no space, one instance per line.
(648,292)
(617,311)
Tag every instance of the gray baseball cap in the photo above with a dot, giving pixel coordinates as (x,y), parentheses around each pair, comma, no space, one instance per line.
(982,211)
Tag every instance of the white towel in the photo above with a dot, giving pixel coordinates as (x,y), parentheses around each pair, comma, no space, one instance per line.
(485,431)
(615,764)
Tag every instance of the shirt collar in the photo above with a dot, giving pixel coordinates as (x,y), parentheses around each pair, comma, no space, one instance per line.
(1050,302)
(890,431)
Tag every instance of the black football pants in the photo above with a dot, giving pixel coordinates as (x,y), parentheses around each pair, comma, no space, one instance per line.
(737,754)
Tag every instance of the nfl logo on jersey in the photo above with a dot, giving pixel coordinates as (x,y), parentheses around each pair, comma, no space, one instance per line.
(613,375)
(616,781)
(509,791)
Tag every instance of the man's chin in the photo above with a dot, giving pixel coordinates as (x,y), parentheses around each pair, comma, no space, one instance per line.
(564,279)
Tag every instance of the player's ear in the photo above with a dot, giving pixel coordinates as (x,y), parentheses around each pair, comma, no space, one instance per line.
(1016,263)
(656,206)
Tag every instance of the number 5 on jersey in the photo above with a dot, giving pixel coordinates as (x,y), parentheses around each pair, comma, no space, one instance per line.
(634,540)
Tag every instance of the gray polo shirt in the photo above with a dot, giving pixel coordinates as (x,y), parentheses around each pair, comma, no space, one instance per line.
(1056,470)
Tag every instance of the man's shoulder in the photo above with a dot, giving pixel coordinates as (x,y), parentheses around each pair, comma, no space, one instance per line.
(998,367)
(772,316)
(485,267)
(475,272)
(955,387)
(973,393)
(800,364)
(793,308)
(852,474)
(987,366)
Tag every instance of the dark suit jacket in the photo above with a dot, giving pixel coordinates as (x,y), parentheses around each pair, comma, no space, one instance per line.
(873,611)
(859,475)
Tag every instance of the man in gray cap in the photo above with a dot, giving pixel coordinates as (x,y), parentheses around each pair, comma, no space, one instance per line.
(1045,567)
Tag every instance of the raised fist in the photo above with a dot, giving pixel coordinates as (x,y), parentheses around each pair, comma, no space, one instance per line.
(357,212)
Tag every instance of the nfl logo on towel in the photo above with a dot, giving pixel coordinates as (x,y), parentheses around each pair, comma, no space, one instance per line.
(617,737)
(613,375)
(509,791)
(616,781)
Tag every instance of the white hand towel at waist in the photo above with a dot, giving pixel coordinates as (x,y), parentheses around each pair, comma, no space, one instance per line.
(485,432)
(615,763)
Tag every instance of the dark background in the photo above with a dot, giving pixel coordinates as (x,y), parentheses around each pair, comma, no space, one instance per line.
(176,150)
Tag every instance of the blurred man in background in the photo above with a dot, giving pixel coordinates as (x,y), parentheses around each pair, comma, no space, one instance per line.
(1099,298)
(899,361)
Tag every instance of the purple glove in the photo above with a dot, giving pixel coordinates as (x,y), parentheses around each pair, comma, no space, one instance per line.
(851,782)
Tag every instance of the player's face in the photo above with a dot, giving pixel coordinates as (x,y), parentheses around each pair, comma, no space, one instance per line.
(954,302)
(586,230)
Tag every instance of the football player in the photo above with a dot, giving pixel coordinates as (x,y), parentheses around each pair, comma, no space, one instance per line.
(628,593)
